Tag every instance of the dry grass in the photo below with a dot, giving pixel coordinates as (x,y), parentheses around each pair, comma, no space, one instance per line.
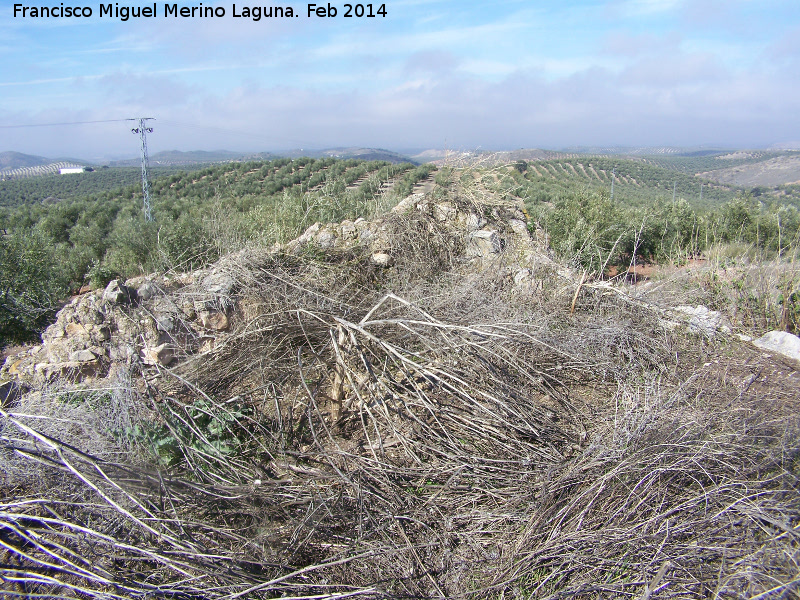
(416,432)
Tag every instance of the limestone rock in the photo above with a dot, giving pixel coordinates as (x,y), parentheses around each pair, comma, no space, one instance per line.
(348,229)
(159,355)
(76,330)
(218,283)
(146,291)
(473,222)
(325,238)
(70,370)
(382,259)
(782,342)
(518,227)
(161,318)
(309,234)
(407,204)
(82,356)
(704,321)
(218,321)
(483,243)
(444,211)
(118,293)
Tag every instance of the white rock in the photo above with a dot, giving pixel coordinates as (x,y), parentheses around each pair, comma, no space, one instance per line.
(382,259)
(781,342)
(522,276)
(309,233)
(518,227)
(326,238)
(444,211)
(474,222)
(703,320)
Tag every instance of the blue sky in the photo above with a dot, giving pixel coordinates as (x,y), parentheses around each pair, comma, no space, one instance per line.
(432,73)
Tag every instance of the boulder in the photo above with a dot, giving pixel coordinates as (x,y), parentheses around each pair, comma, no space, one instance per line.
(159,355)
(118,293)
(218,283)
(483,243)
(781,342)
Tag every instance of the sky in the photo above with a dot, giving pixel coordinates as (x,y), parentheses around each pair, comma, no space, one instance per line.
(430,74)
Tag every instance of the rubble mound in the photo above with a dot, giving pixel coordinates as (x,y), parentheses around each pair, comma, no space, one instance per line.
(165,319)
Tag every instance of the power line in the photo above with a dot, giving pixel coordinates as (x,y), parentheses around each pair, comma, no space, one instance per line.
(59,124)
(234,132)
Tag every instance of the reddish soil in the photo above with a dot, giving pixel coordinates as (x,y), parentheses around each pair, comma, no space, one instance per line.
(643,270)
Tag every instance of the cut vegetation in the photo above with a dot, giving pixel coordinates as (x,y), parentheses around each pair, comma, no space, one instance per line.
(448,399)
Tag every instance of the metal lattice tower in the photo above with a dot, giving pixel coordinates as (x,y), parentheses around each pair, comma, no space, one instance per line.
(142,130)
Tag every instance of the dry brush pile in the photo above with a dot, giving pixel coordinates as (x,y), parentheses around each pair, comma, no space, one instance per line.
(424,431)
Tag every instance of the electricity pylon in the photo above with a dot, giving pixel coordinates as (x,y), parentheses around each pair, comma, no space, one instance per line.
(142,130)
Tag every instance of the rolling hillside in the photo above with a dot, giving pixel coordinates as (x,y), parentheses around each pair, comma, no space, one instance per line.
(15,160)
(776,171)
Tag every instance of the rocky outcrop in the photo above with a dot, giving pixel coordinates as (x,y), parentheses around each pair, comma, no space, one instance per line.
(487,232)
(151,320)
(157,321)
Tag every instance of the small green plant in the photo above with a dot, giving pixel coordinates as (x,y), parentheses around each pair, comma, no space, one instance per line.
(202,427)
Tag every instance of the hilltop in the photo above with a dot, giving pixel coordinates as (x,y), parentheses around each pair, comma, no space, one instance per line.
(432,402)
(14,160)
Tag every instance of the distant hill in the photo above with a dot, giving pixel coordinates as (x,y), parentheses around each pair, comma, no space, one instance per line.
(15,165)
(645,150)
(193,157)
(356,152)
(17,160)
(776,171)
(196,157)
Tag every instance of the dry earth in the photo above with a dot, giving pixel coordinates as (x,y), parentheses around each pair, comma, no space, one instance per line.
(775,171)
